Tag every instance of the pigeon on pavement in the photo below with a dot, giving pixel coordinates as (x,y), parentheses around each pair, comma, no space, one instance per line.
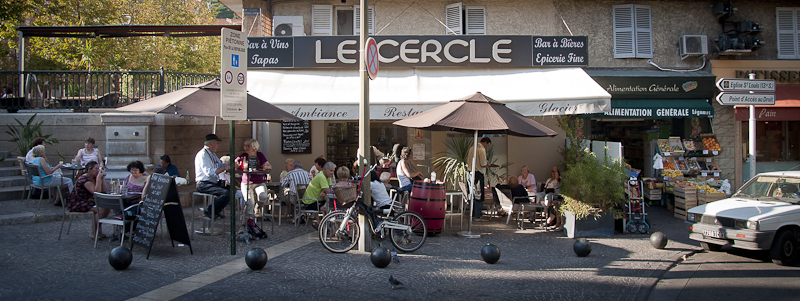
(394,282)
(395,258)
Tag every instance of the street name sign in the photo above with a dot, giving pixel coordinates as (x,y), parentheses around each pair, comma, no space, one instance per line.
(741,98)
(746,85)
(233,72)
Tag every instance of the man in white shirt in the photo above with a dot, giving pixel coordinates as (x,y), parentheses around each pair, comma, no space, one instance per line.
(480,170)
(206,167)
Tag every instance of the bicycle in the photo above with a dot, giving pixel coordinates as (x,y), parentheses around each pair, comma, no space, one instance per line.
(339,230)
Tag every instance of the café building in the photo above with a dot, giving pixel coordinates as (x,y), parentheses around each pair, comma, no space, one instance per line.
(316,78)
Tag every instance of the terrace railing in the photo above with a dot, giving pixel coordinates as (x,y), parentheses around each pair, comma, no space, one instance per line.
(80,91)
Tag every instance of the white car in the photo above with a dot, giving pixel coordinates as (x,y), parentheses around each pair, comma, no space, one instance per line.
(763,215)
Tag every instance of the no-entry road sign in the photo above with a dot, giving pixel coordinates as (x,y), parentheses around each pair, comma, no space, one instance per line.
(372,58)
(732,98)
(746,85)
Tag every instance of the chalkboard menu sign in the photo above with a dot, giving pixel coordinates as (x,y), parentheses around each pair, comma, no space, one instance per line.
(296,137)
(161,196)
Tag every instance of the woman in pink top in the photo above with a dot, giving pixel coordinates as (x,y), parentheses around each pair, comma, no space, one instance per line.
(527,180)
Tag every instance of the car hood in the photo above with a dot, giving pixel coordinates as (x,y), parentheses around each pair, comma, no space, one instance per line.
(746,209)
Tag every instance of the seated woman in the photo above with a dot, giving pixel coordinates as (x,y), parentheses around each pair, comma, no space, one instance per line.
(136,181)
(527,180)
(343,174)
(89,153)
(406,171)
(51,175)
(82,198)
(550,195)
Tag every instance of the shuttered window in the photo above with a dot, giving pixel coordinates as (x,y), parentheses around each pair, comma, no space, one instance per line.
(321,20)
(633,31)
(788,34)
(461,19)
(357,19)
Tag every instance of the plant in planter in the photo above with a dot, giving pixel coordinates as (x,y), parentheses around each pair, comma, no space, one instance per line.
(592,187)
(456,167)
(23,135)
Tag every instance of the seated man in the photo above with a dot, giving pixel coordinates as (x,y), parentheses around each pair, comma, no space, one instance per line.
(377,187)
(295,175)
(206,167)
(319,187)
(518,193)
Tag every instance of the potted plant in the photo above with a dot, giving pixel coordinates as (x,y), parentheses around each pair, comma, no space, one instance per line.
(592,187)
(23,135)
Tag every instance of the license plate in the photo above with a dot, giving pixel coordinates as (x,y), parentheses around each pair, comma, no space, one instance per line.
(715,234)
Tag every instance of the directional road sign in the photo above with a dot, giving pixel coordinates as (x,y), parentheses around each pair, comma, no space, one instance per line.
(233,88)
(372,58)
(746,85)
(733,98)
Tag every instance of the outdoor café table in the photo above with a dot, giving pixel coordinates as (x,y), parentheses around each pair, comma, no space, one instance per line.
(128,199)
(73,168)
(264,173)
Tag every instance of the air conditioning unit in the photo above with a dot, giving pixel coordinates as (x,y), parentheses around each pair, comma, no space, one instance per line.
(694,45)
(287,26)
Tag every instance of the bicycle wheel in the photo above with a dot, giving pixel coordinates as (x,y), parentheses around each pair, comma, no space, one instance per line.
(334,240)
(412,239)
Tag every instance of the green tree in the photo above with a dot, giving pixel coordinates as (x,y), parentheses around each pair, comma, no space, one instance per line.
(198,54)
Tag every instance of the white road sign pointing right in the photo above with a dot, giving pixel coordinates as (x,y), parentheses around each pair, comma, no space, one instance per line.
(732,98)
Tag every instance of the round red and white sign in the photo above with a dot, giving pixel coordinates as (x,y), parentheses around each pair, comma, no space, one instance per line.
(228,77)
(372,58)
(240,78)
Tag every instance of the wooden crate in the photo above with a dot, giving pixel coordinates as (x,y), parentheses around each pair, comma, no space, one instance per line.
(680,213)
(652,194)
(685,204)
(686,192)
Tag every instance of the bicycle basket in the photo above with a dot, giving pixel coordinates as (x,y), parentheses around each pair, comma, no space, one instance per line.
(345,194)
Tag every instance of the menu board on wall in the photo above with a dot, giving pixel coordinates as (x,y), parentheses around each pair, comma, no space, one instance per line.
(296,137)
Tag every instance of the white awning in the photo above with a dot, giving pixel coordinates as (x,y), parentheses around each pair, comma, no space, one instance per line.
(334,94)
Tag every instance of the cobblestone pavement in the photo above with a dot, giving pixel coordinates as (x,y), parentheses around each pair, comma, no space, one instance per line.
(535,264)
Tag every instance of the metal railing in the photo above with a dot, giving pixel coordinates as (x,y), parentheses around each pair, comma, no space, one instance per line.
(83,90)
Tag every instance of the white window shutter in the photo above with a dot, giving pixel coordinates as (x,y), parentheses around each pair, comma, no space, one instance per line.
(357,19)
(644,31)
(788,38)
(321,20)
(476,19)
(624,46)
(452,18)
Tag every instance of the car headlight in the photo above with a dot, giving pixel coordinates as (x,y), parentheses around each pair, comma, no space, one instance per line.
(694,217)
(746,224)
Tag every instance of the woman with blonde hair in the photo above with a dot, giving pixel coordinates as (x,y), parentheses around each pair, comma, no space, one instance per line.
(49,176)
(406,171)
(252,184)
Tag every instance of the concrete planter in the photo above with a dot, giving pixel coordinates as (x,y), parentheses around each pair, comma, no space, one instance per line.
(588,227)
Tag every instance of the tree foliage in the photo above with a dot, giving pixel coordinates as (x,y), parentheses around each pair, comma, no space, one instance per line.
(198,54)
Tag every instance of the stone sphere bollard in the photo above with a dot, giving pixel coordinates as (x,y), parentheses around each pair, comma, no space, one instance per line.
(256,258)
(582,247)
(380,257)
(658,240)
(120,258)
(490,253)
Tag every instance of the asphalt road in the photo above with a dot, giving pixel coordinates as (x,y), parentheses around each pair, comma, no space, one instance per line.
(731,274)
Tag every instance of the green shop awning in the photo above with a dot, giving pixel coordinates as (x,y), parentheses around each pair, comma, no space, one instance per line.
(658,108)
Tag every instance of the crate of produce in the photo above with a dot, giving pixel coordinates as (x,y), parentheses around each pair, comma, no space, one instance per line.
(685,204)
(693,147)
(676,146)
(704,197)
(685,191)
(711,165)
(664,148)
(680,162)
(693,164)
(652,194)
(669,163)
(710,143)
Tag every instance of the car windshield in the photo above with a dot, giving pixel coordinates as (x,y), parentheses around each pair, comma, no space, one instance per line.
(780,188)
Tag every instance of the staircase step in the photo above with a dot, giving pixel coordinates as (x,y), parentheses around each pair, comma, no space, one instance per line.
(11,193)
(11,181)
(9,162)
(10,171)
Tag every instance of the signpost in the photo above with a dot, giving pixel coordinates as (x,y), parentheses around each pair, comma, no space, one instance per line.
(233,87)
(736,99)
(747,96)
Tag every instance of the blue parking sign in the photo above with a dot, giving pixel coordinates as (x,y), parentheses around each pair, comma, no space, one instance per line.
(235,60)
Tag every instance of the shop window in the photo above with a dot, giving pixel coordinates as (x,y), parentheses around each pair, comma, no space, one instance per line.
(461,19)
(788,30)
(633,32)
(342,140)
(776,141)
(341,20)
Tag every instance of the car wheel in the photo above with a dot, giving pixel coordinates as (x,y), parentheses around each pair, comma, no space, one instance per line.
(784,248)
(710,247)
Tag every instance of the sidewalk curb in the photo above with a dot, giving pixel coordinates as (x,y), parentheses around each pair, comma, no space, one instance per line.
(657,276)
